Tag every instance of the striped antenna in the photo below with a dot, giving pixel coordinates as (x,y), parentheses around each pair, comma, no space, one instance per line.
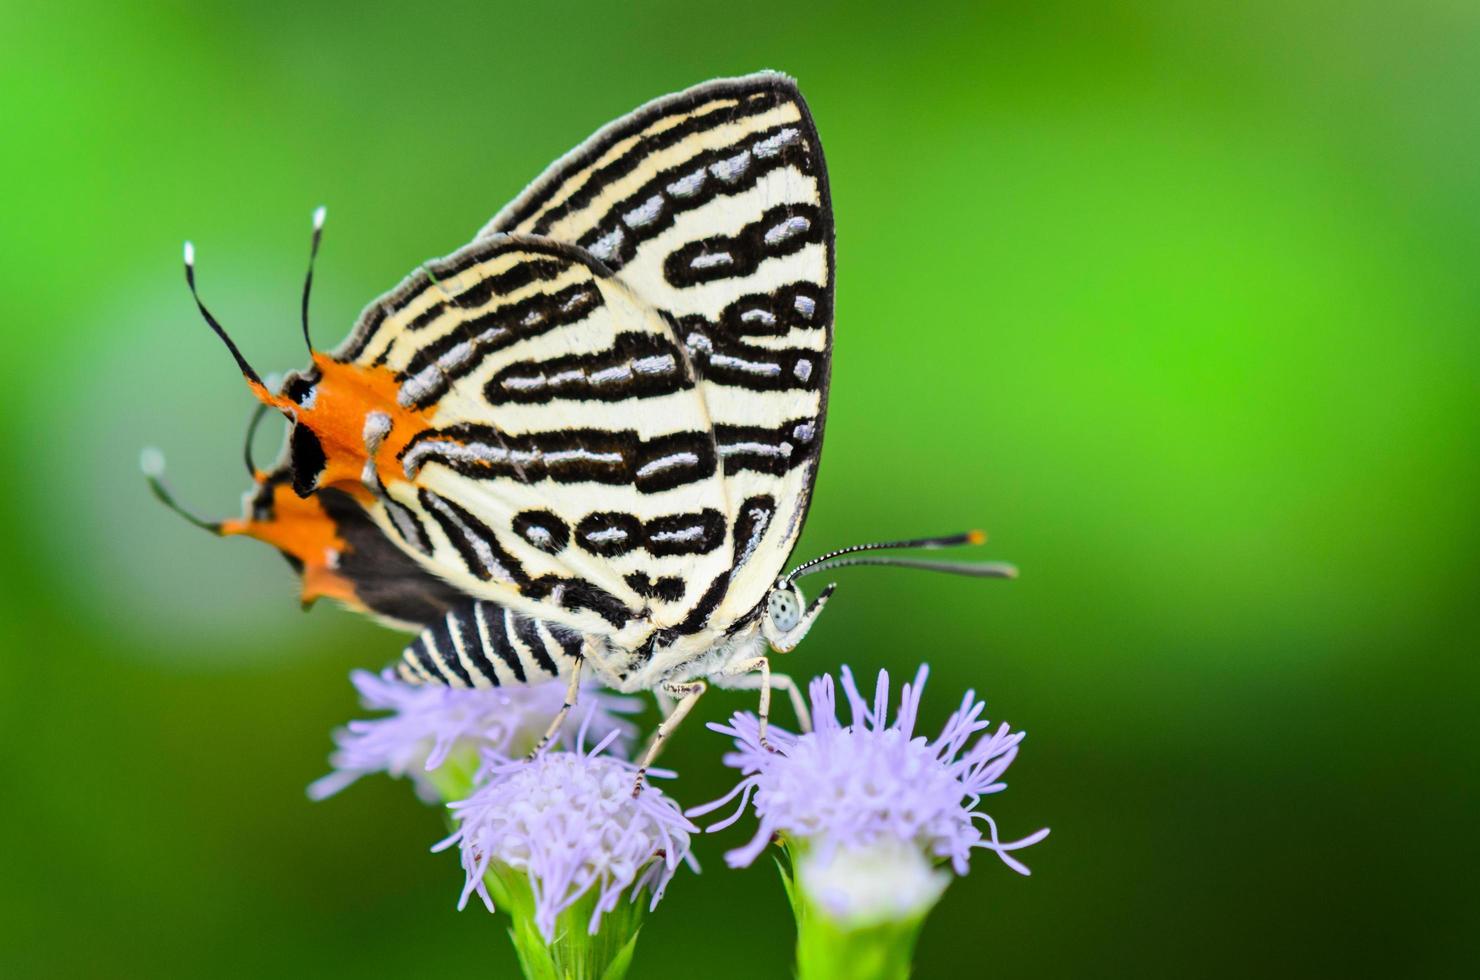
(319,214)
(241,362)
(991,569)
(945,541)
(151,462)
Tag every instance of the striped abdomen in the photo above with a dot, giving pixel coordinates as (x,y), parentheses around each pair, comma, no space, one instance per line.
(482,644)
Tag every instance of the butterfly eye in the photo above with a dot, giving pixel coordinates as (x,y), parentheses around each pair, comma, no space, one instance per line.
(784,607)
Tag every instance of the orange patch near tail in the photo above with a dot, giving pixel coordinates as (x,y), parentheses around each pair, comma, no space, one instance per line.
(301,529)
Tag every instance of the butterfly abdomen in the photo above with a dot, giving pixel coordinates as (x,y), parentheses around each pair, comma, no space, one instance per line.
(482,644)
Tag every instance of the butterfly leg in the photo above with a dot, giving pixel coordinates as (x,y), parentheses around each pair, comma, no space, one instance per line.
(687,693)
(571,694)
(756,675)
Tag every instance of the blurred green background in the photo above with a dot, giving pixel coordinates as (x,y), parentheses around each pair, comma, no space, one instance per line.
(1178,300)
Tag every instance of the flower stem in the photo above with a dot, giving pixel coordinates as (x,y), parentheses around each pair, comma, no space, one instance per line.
(574,954)
(829,949)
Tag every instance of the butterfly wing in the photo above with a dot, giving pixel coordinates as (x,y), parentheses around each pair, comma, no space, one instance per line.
(712,205)
(607,411)
(564,465)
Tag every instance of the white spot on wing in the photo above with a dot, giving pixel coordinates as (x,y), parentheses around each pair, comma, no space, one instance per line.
(666,463)
(606,246)
(732,169)
(608,375)
(657,364)
(645,213)
(687,186)
(762,368)
(754,448)
(790,228)
(772,145)
(692,533)
(377,424)
(711,260)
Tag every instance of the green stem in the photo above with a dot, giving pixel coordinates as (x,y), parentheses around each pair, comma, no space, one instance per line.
(831,950)
(574,954)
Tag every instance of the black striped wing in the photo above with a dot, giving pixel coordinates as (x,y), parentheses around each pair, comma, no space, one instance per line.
(626,372)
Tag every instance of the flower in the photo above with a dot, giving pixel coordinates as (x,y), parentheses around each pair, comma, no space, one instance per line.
(852,787)
(430,725)
(568,822)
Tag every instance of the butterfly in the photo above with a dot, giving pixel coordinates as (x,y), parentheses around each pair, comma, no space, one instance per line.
(586,442)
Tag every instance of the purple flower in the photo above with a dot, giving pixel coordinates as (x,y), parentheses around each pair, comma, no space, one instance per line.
(568,821)
(868,783)
(428,725)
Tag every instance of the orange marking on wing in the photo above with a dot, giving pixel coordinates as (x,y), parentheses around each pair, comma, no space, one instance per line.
(299,527)
(346,395)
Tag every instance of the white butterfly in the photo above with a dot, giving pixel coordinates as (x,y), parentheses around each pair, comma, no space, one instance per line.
(587,441)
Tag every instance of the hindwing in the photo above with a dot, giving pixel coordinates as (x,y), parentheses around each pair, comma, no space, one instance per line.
(340,553)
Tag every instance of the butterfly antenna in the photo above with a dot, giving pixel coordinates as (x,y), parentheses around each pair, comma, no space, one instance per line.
(945,541)
(241,362)
(974,569)
(256,420)
(319,214)
(151,461)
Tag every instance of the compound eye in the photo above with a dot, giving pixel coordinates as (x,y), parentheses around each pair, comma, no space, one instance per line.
(785,609)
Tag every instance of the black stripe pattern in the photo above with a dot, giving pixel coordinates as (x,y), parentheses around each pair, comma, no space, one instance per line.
(780,231)
(754,95)
(636,365)
(765,450)
(610,534)
(434,368)
(726,171)
(474,541)
(482,644)
(610,456)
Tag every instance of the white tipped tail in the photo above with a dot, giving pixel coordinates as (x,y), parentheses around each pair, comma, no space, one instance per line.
(319,214)
(190,253)
(151,461)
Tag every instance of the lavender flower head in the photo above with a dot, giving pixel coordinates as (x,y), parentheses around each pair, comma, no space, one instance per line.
(428,724)
(867,785)
(568,821)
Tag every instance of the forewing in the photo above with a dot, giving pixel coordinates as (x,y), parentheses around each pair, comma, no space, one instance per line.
(712,206)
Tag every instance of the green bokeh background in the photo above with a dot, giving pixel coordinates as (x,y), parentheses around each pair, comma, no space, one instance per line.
(1178,300)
